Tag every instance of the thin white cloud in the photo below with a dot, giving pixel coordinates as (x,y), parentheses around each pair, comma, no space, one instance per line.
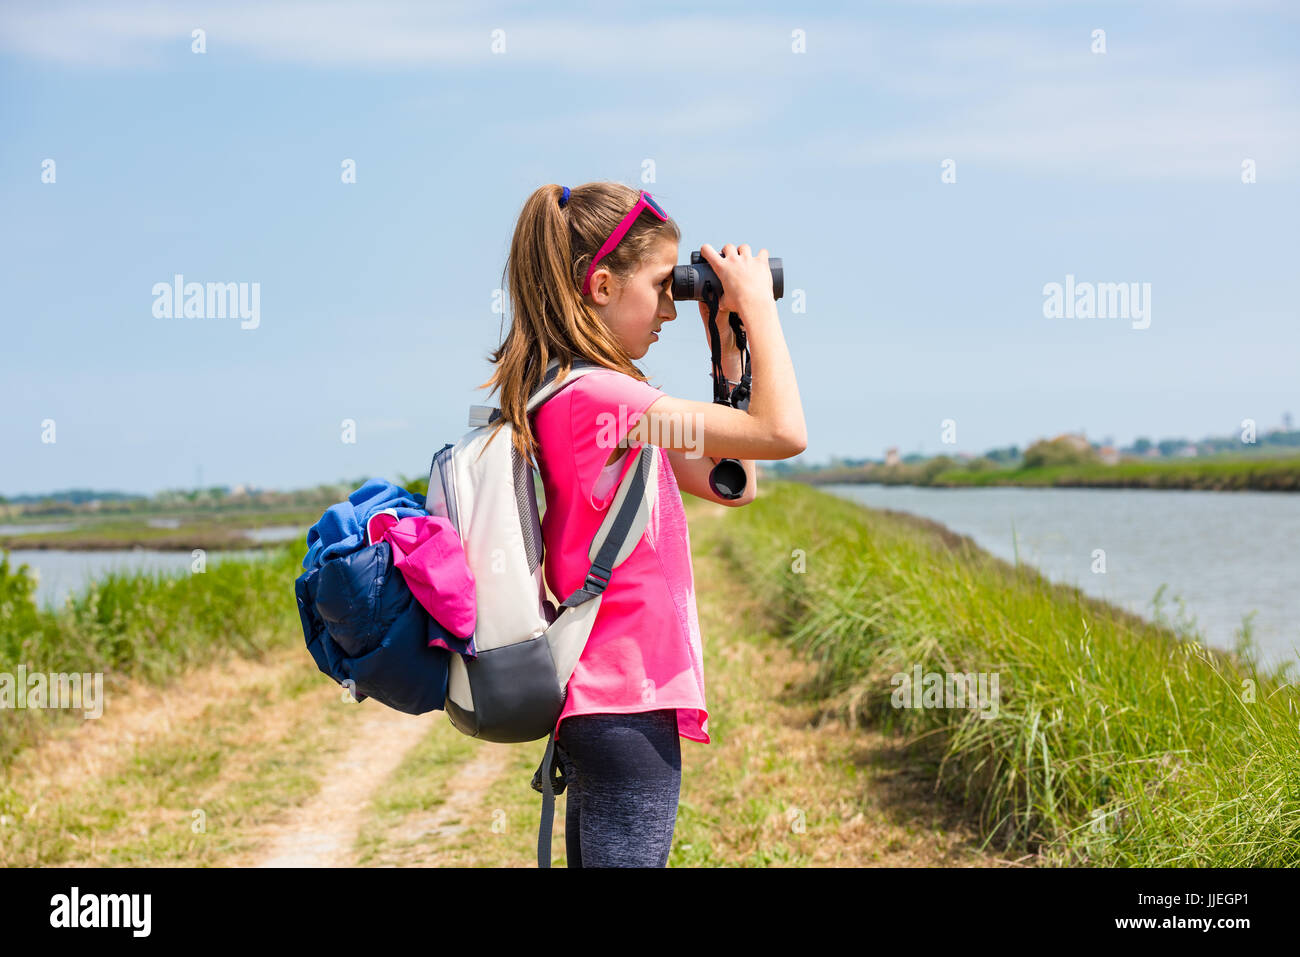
(117,34)
(1158,129)
(1028,99)
(383,33)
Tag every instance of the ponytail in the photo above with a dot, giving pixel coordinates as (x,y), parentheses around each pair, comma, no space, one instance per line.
(552,246)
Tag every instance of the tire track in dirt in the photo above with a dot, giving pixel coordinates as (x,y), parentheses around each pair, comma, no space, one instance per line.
(322,831)
(465,791)
(319,833)
(847,795)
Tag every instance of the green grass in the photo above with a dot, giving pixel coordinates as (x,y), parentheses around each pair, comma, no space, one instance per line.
(146,812)
(1263,472)
(1117,741)
(391,834)
(1274,475)
(196,530)
(141,624)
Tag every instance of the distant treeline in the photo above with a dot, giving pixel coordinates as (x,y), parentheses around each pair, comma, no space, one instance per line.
(1261,474)
(1069,460)
(71,496)
(1275,444)
(217,498)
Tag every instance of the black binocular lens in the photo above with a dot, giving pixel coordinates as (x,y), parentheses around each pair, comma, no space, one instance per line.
(690,282)
(727,479)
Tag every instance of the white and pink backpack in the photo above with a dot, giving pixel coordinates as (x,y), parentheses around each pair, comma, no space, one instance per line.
(527,648)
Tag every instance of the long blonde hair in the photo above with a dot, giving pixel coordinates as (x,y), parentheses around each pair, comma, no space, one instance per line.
(549,255)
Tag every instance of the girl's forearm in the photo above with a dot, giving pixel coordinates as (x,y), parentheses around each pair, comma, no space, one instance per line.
(774,398)
(733,366)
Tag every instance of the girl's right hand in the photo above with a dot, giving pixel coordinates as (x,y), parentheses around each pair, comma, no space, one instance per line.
(746,279)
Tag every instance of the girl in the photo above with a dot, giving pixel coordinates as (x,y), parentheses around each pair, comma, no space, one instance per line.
(590,276)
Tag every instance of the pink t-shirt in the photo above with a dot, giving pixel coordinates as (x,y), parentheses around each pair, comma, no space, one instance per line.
(644,652)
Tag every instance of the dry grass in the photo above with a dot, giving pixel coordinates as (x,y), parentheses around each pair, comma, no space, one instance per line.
(258,745)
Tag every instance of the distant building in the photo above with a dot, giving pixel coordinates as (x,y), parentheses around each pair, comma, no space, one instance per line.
(1076,440)
(1109,455)
(891,455)
(1186,452)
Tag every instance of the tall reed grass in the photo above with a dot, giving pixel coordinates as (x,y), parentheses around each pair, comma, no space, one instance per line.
(1116,741)
(144,625)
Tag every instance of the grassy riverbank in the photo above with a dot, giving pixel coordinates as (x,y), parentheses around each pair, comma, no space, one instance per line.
(142,626)
(183,531)
(1115,742)
(1265,475)
(1219,475)
(234,763)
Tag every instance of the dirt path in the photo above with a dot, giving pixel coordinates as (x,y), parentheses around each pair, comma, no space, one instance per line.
(784,783)
(787,782)
(321,832)
(56,780)
(421,838)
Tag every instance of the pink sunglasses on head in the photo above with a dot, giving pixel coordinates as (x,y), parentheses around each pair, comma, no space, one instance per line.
(644,201)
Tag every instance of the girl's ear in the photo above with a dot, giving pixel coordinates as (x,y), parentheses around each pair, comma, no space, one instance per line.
(603,286)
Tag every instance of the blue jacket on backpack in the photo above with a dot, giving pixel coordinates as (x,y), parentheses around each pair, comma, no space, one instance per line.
(342,528)
(360,620)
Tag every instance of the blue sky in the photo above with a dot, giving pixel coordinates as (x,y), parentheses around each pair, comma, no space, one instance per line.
(924,299)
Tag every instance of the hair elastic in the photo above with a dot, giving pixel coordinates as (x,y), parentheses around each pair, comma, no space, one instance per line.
(565,198)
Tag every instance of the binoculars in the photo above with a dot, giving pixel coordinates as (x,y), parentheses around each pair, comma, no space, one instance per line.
(690,282)
(699,281)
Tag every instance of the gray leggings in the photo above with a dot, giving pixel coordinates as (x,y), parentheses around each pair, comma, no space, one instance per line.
(623,775)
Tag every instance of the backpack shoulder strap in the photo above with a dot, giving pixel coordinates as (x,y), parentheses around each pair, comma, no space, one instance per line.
(548,389)
(625,522)
(480,415)
(614,540)
(628,513)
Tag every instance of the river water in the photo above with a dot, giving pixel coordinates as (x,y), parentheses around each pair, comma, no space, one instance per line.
(1225,553)
(60,572)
